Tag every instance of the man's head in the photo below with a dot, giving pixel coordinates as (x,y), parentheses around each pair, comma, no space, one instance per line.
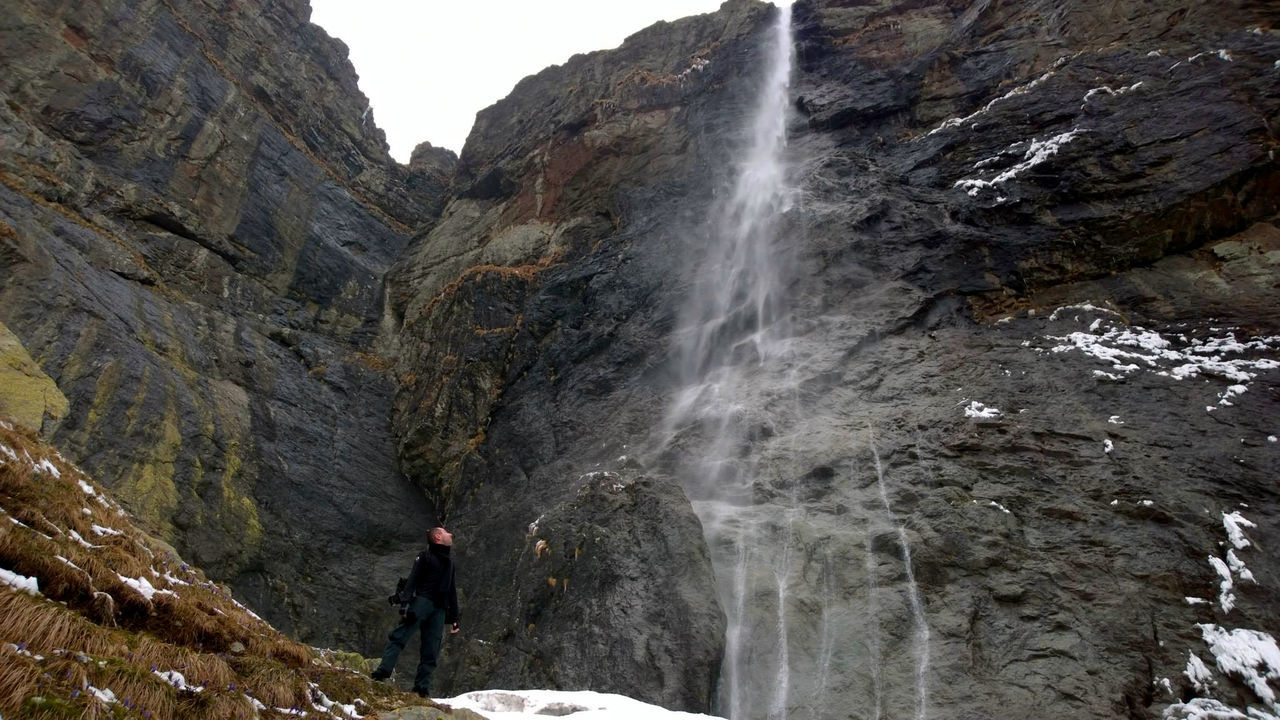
(440,536)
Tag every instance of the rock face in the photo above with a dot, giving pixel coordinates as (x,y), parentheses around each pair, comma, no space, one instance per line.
(1018,458)
(597,573)
(196,213)
(980,507)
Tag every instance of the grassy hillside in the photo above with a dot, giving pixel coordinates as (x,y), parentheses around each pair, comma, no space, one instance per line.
(100,620)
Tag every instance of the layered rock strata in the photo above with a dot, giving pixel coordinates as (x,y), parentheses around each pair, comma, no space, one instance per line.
(196,212)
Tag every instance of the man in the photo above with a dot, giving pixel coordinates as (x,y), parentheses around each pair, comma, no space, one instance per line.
(428,601)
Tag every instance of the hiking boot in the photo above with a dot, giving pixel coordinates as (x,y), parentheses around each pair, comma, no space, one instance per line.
(380,674)
(422,692)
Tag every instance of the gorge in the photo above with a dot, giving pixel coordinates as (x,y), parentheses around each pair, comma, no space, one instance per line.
(860,359)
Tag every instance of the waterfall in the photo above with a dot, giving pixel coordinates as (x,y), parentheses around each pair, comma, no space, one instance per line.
(732,353)
(810,630)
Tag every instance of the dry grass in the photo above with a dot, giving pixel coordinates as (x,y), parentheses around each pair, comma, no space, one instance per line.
(18,678)
(89,627)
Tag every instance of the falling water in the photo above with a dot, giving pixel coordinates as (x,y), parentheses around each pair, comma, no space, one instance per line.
(797,580)
(921,640)
(732,355)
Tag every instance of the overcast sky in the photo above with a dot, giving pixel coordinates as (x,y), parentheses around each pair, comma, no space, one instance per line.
(428,66)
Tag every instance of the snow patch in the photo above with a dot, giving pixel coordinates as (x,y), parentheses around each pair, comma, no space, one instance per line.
(21,583)
(178,680)
(1233,524)
(976,409)
(1128,349)
(1037,152)
(324,704)
(1250,655)
(144,588)
(580,705)
(47,468)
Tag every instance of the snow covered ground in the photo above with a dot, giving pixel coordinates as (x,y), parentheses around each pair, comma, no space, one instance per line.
(580,705)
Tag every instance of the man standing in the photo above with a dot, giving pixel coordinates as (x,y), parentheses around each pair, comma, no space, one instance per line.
(428,601)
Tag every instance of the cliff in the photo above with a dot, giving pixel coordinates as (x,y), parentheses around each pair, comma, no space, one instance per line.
(1003,432)
(196,214)
(969,502)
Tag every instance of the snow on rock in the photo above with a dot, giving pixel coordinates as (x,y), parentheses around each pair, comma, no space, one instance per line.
(1128,349)
(1104,90)
(1108,446)
(579,705)
(1198,673)
(1226,598)
(1208,709)
(86,487)
(100,530)
(21,583)
(1248,654)
(1020,90)
(1037,152)
(976,409)
(1233,523)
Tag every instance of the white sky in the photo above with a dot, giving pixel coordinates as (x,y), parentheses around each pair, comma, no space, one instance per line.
(428,66)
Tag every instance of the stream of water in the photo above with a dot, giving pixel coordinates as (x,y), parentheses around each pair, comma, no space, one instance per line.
(810,628)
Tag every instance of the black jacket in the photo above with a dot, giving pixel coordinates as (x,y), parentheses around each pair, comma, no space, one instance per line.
(432,576)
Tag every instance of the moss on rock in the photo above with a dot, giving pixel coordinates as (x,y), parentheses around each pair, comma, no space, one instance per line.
(27,395)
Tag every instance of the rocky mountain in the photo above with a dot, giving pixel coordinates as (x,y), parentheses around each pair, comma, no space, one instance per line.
(196,215)
(997,439)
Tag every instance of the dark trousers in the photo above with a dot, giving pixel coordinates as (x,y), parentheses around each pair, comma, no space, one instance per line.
(428,618)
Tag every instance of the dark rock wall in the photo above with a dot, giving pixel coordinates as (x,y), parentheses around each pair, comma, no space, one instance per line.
(964,169)
(197,212)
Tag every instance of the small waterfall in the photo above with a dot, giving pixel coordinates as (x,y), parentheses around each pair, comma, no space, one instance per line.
(873,633)
(920,649)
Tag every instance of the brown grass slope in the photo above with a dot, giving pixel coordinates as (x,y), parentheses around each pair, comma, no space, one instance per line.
(120,627)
